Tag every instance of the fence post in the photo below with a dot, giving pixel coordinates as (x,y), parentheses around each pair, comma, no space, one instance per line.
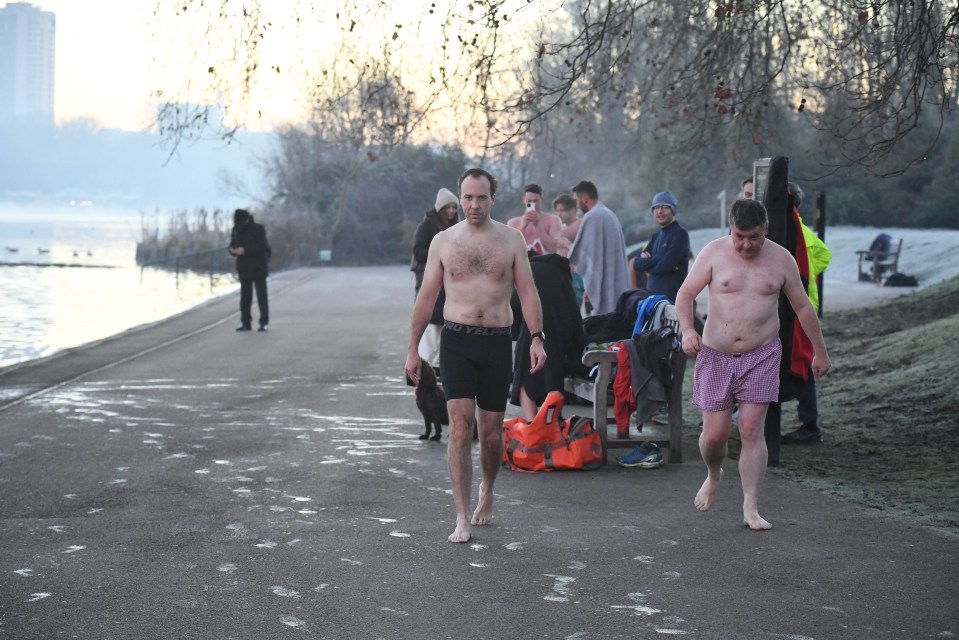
(193,256)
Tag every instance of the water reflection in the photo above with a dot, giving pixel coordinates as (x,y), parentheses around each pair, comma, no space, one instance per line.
(49,308)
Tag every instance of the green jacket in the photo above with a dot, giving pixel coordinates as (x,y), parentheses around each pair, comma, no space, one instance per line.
(819,258)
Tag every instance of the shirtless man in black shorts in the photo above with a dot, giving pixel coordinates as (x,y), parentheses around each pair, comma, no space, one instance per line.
(477,261)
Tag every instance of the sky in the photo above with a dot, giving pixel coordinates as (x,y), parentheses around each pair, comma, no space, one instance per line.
(113,55)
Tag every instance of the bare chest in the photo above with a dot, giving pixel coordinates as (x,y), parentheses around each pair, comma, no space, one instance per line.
(751,280)
(467,261)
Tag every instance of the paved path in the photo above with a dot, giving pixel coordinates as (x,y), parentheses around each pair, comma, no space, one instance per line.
(186,481)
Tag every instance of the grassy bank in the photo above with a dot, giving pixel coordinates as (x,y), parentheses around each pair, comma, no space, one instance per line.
(889,410)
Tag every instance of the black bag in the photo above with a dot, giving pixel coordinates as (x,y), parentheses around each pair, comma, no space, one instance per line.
(901,280)
(616,325)
(607,327)
(628,303)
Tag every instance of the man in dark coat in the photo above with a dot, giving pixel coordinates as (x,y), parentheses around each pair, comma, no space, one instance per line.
(563,326)
(248,243)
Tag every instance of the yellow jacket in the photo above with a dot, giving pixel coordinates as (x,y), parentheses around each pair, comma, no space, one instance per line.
(819,258)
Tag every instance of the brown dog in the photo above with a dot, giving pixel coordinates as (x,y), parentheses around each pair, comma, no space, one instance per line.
(431,401)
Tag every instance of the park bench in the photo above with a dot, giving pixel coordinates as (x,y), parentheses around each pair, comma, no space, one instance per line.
(596,391)
(876,262)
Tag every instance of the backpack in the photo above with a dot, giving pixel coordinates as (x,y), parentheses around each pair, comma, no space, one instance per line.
(549,442)
(649,313)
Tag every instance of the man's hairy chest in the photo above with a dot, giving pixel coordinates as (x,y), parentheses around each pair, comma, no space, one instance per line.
(483,260)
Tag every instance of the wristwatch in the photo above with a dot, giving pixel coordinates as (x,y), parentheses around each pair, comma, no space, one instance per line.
(540,335)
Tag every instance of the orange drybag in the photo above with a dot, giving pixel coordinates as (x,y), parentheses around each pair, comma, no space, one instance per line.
(549,442)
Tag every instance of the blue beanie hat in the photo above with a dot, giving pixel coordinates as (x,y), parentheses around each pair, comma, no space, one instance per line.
(666,198)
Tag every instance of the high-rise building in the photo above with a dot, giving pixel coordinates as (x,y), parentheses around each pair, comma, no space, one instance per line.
(27,53)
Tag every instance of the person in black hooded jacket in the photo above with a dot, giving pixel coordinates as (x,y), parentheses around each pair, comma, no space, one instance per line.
(563,326)
(248,243)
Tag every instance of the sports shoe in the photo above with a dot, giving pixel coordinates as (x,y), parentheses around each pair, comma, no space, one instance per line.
(244,327)
(645,455)
(264,327)
(802,435)
(662,417)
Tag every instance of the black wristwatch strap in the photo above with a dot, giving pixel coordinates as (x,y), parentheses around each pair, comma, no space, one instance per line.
(538,334)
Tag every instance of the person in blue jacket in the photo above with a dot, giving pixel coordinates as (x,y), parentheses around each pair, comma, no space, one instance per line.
(666,256)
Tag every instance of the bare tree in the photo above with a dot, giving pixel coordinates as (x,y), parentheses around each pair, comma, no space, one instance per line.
(357,121)
(861,73)
(888,65)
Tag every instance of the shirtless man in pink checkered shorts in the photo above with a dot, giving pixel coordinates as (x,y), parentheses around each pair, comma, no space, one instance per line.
(739,352)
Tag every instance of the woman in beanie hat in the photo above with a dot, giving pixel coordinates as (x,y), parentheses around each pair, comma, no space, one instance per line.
(444,214)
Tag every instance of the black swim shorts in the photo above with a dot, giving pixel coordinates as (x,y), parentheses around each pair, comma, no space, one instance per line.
(476,363)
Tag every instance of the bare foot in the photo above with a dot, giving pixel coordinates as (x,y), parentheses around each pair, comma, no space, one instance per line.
(484,508)
(755,522)
(461,533)
(704,499)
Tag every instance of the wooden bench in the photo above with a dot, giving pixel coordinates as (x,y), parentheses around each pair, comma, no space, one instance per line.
(596,391)
(877,262)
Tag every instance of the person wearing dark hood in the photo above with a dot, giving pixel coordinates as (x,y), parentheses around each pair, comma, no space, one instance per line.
(563,324)
(248,243)
(444,214)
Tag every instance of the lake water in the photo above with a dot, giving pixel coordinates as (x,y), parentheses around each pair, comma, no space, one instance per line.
(46,309)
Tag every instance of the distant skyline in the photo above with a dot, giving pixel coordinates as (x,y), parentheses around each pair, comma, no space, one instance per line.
(101,59)
(104,72)
(104,69)
(27,41)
